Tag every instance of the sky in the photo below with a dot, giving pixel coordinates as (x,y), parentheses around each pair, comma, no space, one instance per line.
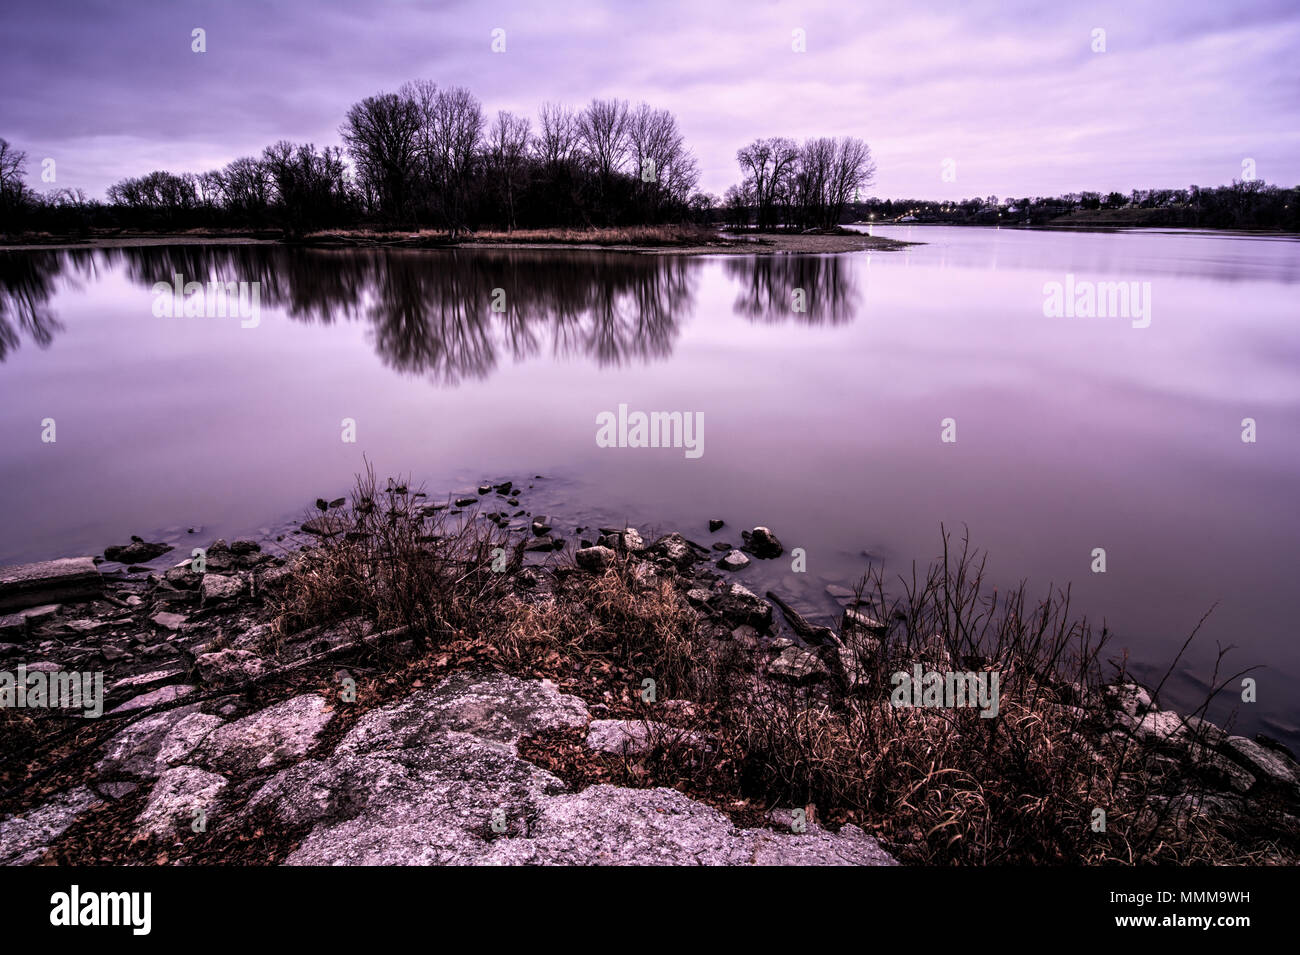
(1013,93)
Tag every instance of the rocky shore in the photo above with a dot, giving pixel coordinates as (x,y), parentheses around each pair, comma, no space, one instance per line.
(228,736)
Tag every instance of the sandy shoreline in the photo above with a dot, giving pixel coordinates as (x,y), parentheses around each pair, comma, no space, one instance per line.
(771,244)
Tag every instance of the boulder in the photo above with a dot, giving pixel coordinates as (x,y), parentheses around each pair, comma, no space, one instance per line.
(734,560)
(177,797)
(437,779)
(762,543)
(266,739)
(595,559)
(24,838)
(139,551)
(1268,765)
(49,581)
(739,605)
(218,587)
(228,666)
(150,746)
(797,665)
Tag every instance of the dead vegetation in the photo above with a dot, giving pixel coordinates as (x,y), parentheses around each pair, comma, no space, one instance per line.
(938,785)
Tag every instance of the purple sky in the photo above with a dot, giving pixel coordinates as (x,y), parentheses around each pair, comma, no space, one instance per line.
(1011,91)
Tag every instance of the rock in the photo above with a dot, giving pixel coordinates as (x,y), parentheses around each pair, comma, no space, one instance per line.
(25,838)
(699,597)
(139,551)
(182,576)
(608,825)
(493,707)
(855,621)
(217,587)
(164,694)
(625,539)
(169,621)
(676,549)
(1129,698)
(244,548)
(273,578)
(746,636)
(30,585)
(849,846)
(149,746)
(466,501)
(1159,726)
(739,605)
(595,559)
(735,560)
(716,525)
(419,781)
(266,739)
(855,671)
(541,525)
(632,737)
(178,795)
(722,546)
(485,488)
(798,666)
(20,623)
(1268,765)
(227,666)
(116,791)
(140,681)
(1209,763)
(762,543)
(1205,731)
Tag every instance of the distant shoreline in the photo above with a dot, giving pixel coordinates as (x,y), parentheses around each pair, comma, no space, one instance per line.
(638,240)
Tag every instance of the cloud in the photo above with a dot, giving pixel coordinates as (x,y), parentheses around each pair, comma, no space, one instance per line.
(1011,91)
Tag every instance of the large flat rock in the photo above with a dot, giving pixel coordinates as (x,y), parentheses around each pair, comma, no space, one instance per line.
(24,838)
(49,581)
(436,779)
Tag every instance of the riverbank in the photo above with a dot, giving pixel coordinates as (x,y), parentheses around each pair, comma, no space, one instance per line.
(645,240)
(417,680)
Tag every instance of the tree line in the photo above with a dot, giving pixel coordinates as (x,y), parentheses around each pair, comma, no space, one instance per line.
(422,157)
(1241,204)
(799,186)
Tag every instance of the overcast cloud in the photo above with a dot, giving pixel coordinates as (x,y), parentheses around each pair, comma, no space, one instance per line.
(1011,91)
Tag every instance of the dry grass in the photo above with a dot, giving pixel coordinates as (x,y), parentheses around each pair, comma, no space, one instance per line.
(941,786)
(400,563)
(645,235)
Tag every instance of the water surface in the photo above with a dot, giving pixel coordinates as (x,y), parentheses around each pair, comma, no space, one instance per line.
(824,424)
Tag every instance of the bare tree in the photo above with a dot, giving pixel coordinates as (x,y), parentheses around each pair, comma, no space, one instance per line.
(381,136)
(665,169)
(852,170)
(457,131)
(812,180)
(13,167)
(767,166)
(507,155)
(557,139)
(602,133)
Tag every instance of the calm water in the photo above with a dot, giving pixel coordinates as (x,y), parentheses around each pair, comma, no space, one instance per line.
(1072,433)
